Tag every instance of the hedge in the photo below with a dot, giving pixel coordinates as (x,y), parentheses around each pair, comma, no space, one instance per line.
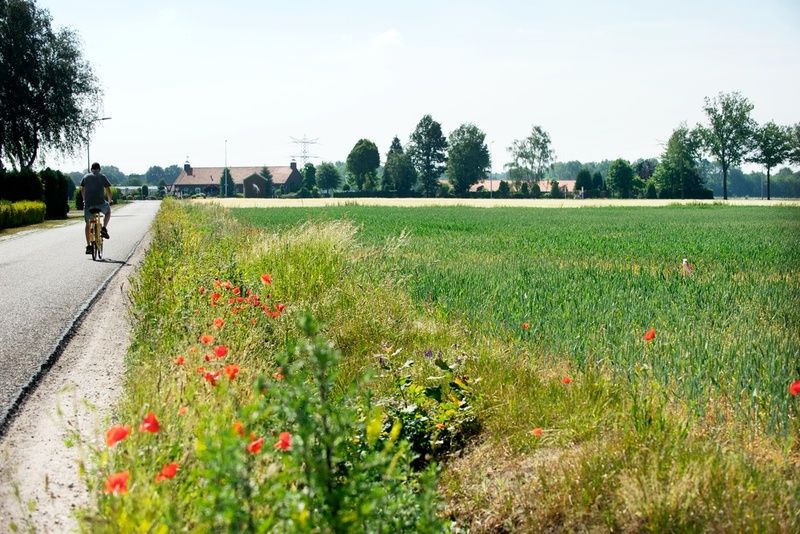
(21,213)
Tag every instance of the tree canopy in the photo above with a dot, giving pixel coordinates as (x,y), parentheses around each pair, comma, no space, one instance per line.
(362,162)
(399,173)
(772,146)
(328,177)
(468,159)
(49,95)
(620,178)
(427,149)
(677,175)
(532,155)
(728,135)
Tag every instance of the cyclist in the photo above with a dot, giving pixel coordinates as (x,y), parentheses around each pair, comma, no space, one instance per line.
(92,187)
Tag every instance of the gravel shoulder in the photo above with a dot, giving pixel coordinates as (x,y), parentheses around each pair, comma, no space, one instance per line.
(40,485)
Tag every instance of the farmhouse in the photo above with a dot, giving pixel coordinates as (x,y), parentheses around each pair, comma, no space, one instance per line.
(247,180)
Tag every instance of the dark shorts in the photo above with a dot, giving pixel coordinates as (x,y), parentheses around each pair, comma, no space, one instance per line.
(104,208)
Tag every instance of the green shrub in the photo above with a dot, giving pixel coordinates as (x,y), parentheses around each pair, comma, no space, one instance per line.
(20,185)
(56,187)
(13,214)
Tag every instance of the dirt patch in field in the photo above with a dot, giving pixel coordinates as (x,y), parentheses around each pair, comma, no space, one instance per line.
(40,485)
(477,203)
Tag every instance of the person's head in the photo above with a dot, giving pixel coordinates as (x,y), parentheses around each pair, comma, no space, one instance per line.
(95,167)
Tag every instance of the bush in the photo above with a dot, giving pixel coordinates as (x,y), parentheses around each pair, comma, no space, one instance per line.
(56,195)
(21,185)
(22,213)
(503,190)
(78,199)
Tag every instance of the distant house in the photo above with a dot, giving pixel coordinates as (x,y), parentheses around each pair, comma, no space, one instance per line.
(247,180)
(565,186)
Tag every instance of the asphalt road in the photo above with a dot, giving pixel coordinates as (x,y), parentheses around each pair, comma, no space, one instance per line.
(46,282)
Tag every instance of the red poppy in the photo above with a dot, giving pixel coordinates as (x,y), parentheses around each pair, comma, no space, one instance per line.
(182,410)
(201,290)
(280,307)
(794,388)
(231,371)
(231,300)
(440,426)
(201,370)
(215,297)
(526,326)
(537,432)
(117,483)
(168,471)
(237,291)
(266,279)
(221,351)
(211,378)
(150,424)
(228,284)
(116,433)
(650,335)
(219,322)
(217,283)
(255,445)
(253,321)
(277,376)
(238,428)
(205,339)
(566,380)
(284,442)
(179,360)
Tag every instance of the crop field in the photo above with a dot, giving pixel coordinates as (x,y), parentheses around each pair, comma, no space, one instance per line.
(589,283)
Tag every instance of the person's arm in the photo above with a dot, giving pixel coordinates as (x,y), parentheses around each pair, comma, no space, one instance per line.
(108,194)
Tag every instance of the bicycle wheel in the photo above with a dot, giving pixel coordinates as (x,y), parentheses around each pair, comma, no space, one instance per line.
(97,249)
(94,251)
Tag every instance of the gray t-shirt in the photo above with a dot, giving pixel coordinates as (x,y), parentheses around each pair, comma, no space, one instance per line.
(93,185)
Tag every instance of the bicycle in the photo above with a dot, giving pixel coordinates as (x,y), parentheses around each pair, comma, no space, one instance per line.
(95,235)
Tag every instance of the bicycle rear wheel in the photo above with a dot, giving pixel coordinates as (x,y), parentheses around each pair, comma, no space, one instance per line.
(94,251)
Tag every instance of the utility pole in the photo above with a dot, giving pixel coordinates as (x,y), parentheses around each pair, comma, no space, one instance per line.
(226,173)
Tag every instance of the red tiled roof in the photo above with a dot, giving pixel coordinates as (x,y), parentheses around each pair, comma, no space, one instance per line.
(211,175)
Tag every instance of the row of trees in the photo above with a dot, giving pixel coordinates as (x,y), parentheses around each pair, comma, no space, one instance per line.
(730,136)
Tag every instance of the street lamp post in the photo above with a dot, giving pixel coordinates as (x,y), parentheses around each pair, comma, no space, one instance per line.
(88,159)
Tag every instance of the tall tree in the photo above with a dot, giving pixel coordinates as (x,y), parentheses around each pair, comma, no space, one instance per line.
(154,175)
(468,159)
(620,178)
(362,162)
(597,182)
(532,155)
(388,179)
(269,186)
(400,173)
(583,180)
(427,149)
(328,177)
(48,92)
(678,175)
(772,146)
(309,176)
(728,136)
(227,187)
(171,173)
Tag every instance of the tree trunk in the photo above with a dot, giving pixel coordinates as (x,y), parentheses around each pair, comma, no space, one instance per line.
(768,197)
(724,182)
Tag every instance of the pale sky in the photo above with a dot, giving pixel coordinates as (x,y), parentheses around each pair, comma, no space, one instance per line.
(605,79)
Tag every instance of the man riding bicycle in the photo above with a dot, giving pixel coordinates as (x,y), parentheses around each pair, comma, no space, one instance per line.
(92,187)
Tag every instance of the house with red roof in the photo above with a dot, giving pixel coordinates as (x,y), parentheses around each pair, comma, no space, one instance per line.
(247,180)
